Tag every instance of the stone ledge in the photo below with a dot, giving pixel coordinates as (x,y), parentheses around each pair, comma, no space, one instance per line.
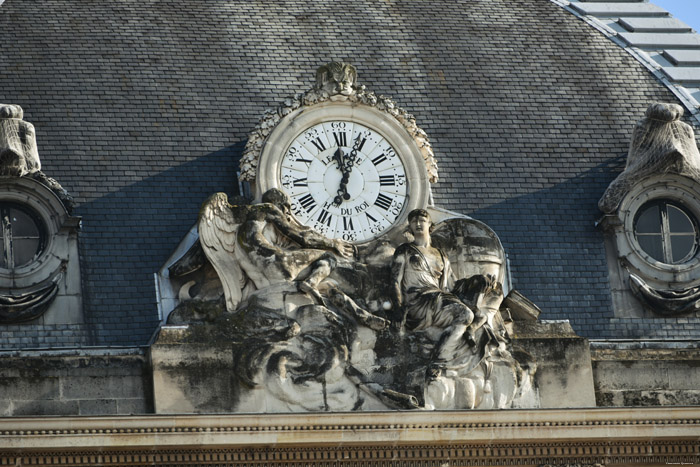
(374,428)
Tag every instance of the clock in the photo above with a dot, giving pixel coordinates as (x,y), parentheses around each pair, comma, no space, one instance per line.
(344,179)
(351,171)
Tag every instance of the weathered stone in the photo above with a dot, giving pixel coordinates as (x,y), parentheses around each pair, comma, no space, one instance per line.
(520,307)
(97,407)
(44,407)
(73,384)
(646,376)
(564,375)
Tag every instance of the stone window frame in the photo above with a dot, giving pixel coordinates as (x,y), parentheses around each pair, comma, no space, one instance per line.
(11,235)
(660,211)
(58,224)
(674,188)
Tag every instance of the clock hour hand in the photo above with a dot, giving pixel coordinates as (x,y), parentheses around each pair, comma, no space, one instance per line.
(339,159)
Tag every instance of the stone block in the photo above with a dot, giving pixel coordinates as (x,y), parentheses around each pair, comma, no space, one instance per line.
(29,388)
(564,376)
(191,377)
(133,406)
(66,309)
(44,407)
(5,408)
(101,387)
(611,376)
(97,407)
(639,376)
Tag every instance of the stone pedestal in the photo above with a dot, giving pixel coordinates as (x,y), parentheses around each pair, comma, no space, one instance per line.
(564,376)
(196,374)
(191,375)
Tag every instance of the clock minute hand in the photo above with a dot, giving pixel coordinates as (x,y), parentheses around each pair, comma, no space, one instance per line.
(339,158)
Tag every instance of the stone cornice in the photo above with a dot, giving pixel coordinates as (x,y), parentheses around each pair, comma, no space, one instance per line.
(347,429)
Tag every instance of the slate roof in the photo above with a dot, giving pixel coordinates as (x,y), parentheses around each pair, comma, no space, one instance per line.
(142,110)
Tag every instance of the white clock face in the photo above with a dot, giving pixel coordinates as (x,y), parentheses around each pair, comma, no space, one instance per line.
(344,180)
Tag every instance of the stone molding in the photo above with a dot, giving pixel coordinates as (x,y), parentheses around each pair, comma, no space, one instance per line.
(313,97)
(509,437)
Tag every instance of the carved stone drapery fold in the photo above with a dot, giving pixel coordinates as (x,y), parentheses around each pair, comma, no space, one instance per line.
(666,302)
(661,144)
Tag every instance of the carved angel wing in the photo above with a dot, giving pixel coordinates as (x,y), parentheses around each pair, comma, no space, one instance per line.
(218,228)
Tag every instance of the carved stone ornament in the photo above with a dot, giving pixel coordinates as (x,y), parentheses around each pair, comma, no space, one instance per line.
(319,324)
(18,152)
(334,81)
(19,155)
(662,174)
(661,144)
(340,288)
(28,288)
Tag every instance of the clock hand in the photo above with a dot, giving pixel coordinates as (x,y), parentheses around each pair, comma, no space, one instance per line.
(338,157)
(345,164)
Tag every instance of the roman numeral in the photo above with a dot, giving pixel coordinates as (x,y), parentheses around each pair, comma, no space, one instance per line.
(341,139)
(386,180)
(359,145)
(347,223)
(370,217)
(325,217)
(300,182)
(307,202)
(379,159)
(383,201)
(307,161)
(319,144)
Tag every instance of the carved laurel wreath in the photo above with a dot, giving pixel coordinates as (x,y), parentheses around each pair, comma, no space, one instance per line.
(315,96)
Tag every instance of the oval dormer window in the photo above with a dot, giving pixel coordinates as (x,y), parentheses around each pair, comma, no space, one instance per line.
(23,233)
(666,231)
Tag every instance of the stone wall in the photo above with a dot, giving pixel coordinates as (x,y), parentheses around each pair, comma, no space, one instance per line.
(645,377)
(74,383)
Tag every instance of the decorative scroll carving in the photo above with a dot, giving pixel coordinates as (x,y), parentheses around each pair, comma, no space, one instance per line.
(333,81)
(309,317)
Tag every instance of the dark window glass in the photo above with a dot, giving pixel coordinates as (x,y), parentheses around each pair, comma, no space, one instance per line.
(666,231)
(23,235)
(648,221)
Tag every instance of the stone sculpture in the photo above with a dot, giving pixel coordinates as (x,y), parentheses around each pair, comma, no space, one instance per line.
(18,152)
(19,157)
(661,144)
(662,153)
(321,325)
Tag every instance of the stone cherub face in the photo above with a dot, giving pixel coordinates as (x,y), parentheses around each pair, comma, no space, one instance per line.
(336,78)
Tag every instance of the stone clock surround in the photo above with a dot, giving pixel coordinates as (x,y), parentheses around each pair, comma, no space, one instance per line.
(301,119)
